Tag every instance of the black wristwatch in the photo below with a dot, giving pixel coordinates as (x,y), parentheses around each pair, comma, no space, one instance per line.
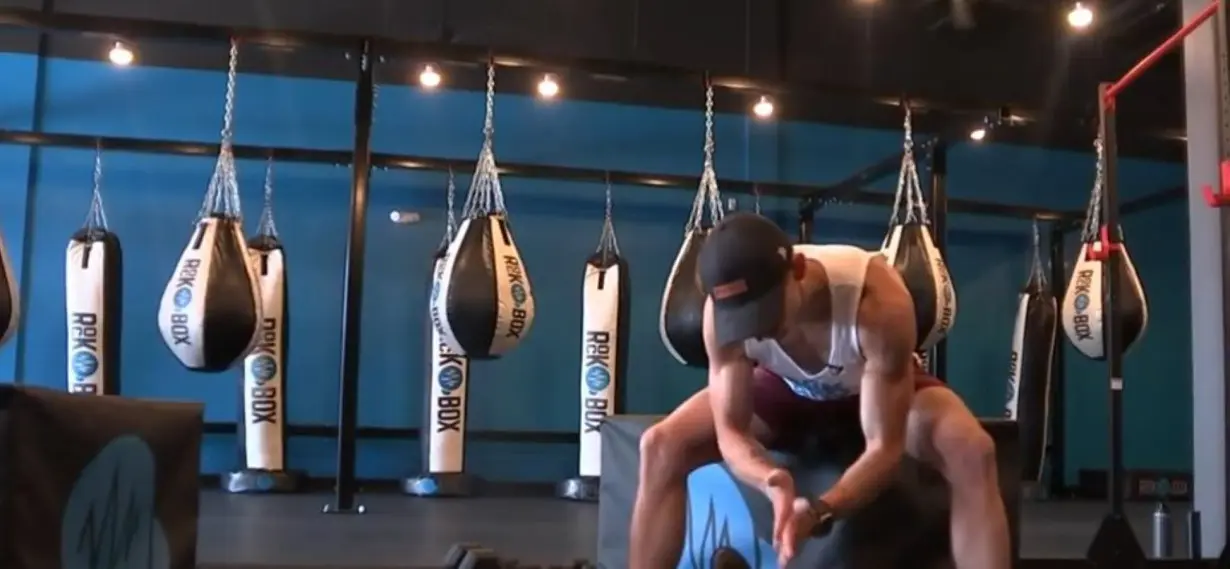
(822,517)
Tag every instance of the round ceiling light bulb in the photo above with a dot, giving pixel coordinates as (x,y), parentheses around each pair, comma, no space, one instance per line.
(1080,16)
(120,54)
(763,108)
(548,88)
(978,134)
(429,78)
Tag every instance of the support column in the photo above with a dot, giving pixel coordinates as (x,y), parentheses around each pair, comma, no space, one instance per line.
(1207,301)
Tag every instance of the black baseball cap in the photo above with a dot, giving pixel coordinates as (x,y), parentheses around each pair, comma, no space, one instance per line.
(744,265)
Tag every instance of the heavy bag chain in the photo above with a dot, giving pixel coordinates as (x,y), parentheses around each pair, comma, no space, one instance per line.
(756,196)
(708,189)
(909,190)
(96,217)
(222,197)
(1093,213)
(266,226)
(1037,268)
(608,244)
(450,222)
(486,197)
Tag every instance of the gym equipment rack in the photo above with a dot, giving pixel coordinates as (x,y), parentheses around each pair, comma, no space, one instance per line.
(361,158)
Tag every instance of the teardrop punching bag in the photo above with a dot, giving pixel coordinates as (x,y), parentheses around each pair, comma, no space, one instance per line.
(93,291)
(681,318)
(483,306)
(210,312)
(446,387)
(1083,301)
(10,300)
(1029,384)
(604,307)
(910,249)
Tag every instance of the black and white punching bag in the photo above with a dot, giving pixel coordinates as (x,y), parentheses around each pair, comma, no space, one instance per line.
(10,300)
(1083,303)
(483,305)
(1033,350)
(445,408)
(681,318)
(262,428)
(93,271)
(910,248)
(604,306)
(210,313)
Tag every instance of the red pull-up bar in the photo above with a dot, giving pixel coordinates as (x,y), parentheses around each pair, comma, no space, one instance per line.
(1167,46)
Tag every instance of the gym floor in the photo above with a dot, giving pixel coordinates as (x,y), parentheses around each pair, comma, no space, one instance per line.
(290,532)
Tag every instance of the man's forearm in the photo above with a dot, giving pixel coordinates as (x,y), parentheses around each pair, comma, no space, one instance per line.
(864,479)
(747,459)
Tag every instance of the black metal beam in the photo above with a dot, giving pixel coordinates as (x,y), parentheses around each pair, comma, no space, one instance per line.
(352,303)
(1057,445)
(507,169)
(938,203)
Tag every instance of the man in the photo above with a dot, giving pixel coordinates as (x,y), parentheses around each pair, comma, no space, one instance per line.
(799,336)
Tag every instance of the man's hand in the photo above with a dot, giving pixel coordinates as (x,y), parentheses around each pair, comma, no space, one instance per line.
(779,487)
(799,525)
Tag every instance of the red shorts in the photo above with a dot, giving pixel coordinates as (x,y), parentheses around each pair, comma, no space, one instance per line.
(788,414)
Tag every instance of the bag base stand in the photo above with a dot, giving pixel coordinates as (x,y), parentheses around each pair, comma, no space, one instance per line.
(257,481)
(579,489)
(439,485)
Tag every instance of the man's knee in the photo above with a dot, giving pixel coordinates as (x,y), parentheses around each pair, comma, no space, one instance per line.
(664,454)
(968,455)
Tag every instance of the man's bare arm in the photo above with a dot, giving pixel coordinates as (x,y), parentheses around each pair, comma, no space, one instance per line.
(730,395)
(887,331)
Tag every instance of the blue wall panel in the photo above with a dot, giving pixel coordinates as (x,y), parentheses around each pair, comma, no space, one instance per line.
(151,201)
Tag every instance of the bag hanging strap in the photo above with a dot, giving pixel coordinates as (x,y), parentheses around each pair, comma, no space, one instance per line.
(266,227)
(96,217)
(707,194)
(222,196)
(1093,212)
(909,189)
(486,197)
(608,244)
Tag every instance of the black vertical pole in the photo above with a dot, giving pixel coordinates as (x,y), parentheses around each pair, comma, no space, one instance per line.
(1115,545)
(1058,403)
(352,307)
(807,218)
(938,360)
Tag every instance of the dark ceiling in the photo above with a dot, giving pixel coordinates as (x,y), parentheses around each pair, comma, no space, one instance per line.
(841,61)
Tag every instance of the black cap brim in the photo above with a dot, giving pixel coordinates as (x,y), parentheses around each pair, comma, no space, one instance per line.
(755,319)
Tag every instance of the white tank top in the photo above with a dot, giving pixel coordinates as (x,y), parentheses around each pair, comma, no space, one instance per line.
(846,268)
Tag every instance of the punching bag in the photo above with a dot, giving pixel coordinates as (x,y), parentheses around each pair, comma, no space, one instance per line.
(1033,349)
(93,269)
(910,249)
(483,304)
(447,386)
(264,368)
(604,305)
(681,318)
(210,312)
(1083,302)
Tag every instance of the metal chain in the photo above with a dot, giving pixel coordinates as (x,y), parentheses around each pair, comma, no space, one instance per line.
(222,197)
(96,217)
(909,188)
(707,193)
(1037,264)
(450,224)
(1093,212)
(266,226)
(486,197)
(608,243)
(756,196)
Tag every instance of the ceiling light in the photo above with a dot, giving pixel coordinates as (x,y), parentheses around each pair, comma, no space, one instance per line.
(1080,16)
(429,78)
(548,88)
(763,108)
(978,134)
(120,54)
